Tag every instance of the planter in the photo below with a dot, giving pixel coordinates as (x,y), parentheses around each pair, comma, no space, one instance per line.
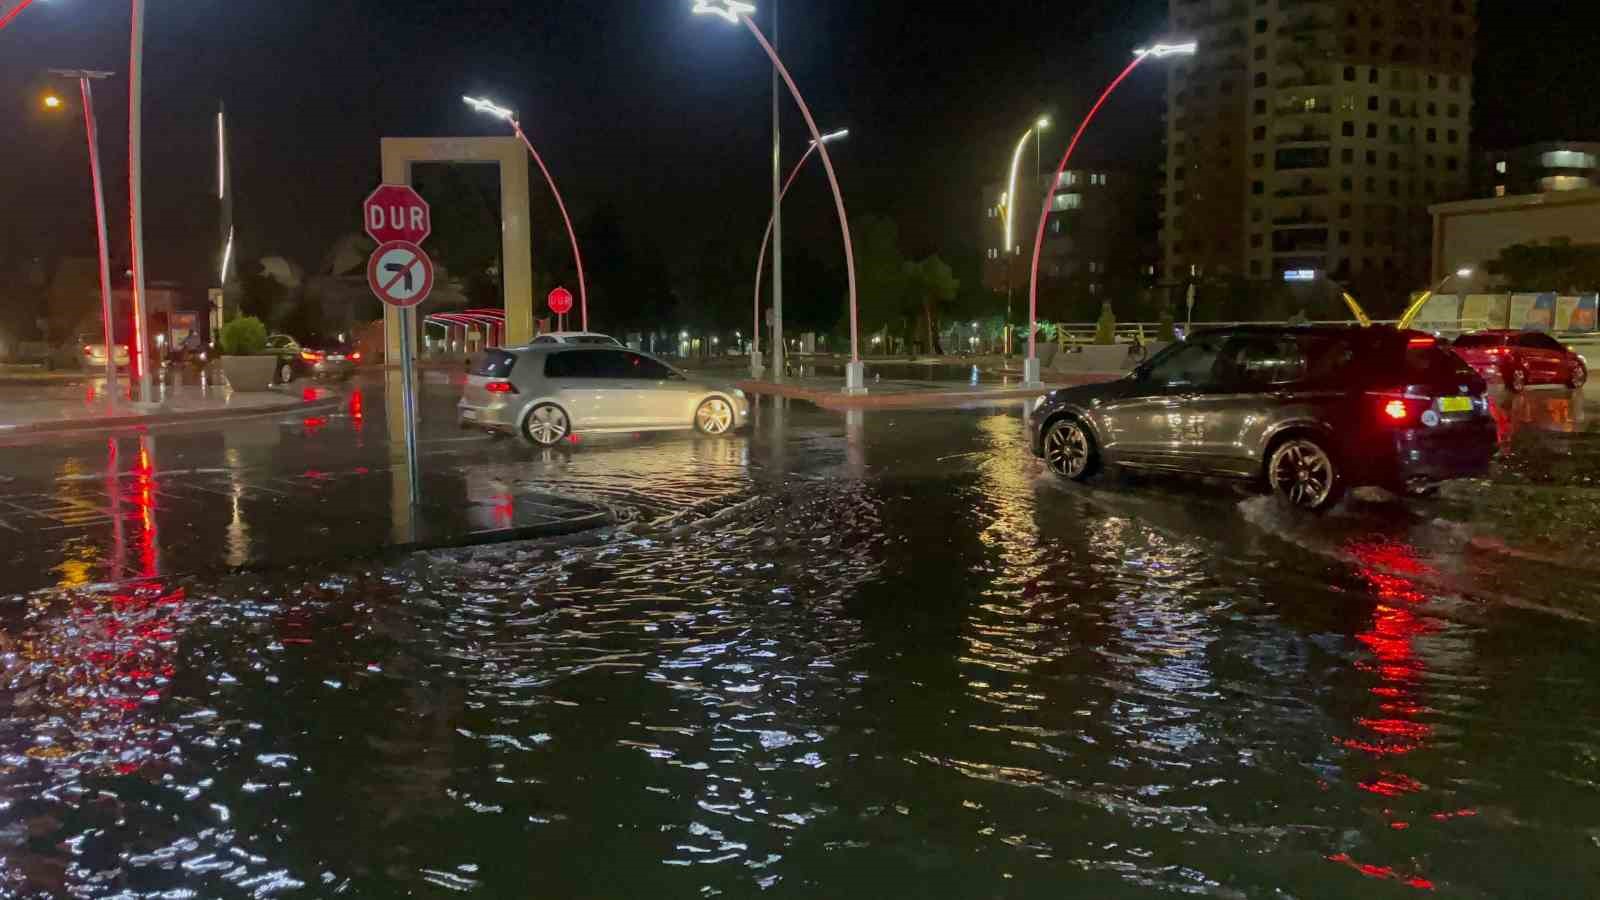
(249,373)
(1048,351)
(1093,358)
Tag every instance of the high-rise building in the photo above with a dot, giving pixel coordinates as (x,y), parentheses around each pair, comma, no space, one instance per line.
(1092,234)
(1314,135)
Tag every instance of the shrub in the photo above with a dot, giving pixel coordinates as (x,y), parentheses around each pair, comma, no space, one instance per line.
(1105,330)
(245,336)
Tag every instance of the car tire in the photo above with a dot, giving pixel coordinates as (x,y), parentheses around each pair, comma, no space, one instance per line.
(714,417)
(1069,450)
(1517,380)
(1578,377)
(285,373)
(546,425)
(1301,470)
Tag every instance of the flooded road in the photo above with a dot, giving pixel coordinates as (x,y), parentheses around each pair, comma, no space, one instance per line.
(844,656)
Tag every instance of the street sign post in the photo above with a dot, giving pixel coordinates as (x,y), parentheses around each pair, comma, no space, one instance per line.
(560,301)
(401,275)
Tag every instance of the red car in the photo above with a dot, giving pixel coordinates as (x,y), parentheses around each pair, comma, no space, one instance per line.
(1522,359)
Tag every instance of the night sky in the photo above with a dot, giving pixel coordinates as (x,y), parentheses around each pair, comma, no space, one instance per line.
(633,102)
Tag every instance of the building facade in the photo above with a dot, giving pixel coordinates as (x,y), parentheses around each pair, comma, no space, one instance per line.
(1538,169)
(1472,233)
(1314,135)
(1092,233)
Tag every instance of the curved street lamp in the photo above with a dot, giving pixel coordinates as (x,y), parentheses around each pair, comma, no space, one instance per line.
(766,240)
(1030,367)
(10,9)
(510,118)
(736,11)
(1416,307)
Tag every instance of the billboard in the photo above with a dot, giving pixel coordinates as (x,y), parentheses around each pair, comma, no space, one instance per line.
(1583,318)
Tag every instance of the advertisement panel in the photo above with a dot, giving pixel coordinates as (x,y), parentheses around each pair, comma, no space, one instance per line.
(1477,312)
(1583,318)
(1522,309)
(1542,317)
(1565,307)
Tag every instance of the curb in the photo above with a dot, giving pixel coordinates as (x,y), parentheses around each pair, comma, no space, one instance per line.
(833,400)
(69,426)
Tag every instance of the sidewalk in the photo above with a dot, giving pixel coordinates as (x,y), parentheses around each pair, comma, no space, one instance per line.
(43,406)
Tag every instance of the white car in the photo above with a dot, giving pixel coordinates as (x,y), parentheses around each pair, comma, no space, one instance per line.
(575,338)
(548,393)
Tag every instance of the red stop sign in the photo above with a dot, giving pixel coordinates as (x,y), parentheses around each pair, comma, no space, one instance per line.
(560,301)
(395,212)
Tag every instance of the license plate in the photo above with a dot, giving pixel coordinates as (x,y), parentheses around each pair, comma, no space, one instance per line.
(335,359)
(1455,404)
(469,414)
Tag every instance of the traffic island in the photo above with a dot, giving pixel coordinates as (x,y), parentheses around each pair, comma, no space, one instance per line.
(49,409)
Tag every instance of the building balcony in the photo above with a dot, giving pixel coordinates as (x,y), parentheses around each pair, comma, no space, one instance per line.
(1306,136)
(1303,26)
(1300,221)
(1308,80)
(1303,190)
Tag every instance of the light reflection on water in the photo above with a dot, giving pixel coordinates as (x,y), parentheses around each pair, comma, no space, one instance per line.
(897,671)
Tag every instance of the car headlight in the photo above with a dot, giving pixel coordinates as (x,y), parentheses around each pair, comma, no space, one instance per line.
(740,394)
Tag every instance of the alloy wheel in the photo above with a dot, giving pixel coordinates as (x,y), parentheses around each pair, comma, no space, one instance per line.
(285,374)
(715,416)
(1580,376)
(1303,474)
(547,425)
(1519,380)
(1067,451)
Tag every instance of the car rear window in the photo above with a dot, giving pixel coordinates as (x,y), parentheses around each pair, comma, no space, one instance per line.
(593,340)
(1468,341)
(495,364)
(1426,362)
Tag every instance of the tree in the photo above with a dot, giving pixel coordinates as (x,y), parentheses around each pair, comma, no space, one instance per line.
(1560,266)
(881,280)
(933,285)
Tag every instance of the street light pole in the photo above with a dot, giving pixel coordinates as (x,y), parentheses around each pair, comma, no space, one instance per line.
(510,118)
(738,12)
(1416,307)
(10,9)
(138,355)
(779,348)
(761,258)
(85,77)
(1030,368)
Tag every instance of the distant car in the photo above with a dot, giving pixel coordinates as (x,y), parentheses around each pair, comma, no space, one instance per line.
(86,352)
(312,359)
(1522,359)
(549,392)
(575,338)
(1310,412)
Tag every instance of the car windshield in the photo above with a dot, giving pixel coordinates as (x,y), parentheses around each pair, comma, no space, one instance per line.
(1469,341)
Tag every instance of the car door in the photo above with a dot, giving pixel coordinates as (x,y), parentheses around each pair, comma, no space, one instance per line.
(586,384)
(1260,379)
(1554,355)
(662,398)
(614,390)
(1152,424)
(1537,360)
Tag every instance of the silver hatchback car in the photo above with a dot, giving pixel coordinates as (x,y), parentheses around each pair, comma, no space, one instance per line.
(548,392)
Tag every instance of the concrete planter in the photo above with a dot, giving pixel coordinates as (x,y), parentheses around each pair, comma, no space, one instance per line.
(1048,351)
(249,373)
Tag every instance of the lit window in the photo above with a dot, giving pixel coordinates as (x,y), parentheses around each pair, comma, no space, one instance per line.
(1063,202)
(1501,167)
(1564,183)
(1567,159)
(1499,190)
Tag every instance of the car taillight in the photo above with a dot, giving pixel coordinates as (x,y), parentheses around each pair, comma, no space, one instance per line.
(1401,409)
(356,356)
(88,350)
(1423,341)
(500,387)
(311,356)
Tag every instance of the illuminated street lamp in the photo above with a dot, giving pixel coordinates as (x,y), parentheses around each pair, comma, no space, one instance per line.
(766,239)
(85,78)
(736,12)
(1030,367)
(1416,307)
(1008,204)
(510,118)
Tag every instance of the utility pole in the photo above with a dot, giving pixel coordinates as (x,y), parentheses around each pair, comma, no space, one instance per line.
(85,79)
(141,344)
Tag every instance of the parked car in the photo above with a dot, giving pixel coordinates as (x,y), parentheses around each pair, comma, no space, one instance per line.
(313,359)
(1522,359)
(1309,412)
(576,338)
(549,392)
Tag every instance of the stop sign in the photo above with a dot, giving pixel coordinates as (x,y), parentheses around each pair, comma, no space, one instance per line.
(395,212)
(560,301)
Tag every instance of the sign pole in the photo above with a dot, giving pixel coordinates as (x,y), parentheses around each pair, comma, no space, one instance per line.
(408,318)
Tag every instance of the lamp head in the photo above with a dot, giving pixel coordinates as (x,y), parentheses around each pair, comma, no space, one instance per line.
(484,106)
(52,101)
(832,136)
(732,10)
(1043,123)
(1464,273)
(1159,51)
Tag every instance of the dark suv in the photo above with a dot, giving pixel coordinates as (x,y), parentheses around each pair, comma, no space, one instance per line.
(1310,412)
